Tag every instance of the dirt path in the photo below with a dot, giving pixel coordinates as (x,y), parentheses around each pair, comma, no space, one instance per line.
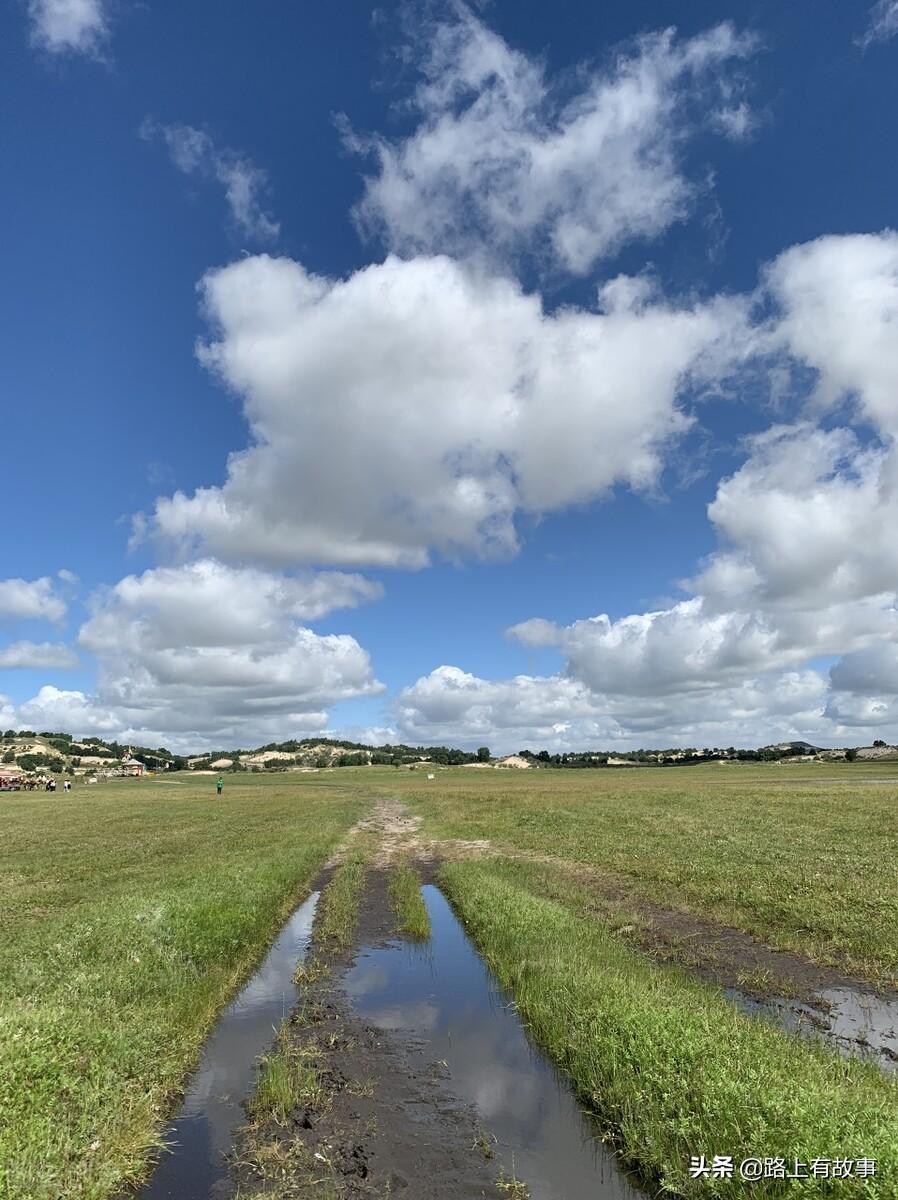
(386,1125)
(397,834)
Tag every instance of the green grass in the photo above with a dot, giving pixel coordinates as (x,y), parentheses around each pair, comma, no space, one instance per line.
(805,857)
(408,903)
(669,1067)
(289,1077)
(338,907)
(130,913)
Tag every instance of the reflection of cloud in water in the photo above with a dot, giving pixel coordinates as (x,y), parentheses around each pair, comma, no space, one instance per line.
(421,1016)
(367,979)
(449,997)
(861,1015)
(204,1128)
(856,1023)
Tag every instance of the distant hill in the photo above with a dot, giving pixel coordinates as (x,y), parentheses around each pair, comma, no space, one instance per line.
(25,751)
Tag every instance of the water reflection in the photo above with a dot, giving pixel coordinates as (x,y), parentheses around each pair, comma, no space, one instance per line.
(858,1024)
(203,1132)
(444,995)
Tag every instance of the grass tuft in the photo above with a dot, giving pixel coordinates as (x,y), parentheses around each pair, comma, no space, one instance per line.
(290,1078)
(338,908)
(408,903)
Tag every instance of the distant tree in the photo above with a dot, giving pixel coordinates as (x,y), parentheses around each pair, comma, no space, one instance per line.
(9,756)
(879,742)
(483,754)
(397,760)
(851,754)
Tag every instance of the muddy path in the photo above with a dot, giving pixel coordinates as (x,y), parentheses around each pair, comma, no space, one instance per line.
(389,1123)
(430,1086)
(802,996)
(425,1083)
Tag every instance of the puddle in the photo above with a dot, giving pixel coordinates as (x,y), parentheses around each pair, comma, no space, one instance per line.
(203,1131)
(446,999)
(858,1024)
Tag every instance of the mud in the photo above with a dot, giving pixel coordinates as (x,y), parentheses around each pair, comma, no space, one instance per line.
(857,1024)
(192,1165)
(801,996)
(391,1124)
(435,1092)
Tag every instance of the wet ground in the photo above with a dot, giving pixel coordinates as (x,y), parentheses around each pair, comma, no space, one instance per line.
(858,1024)
(437,1092)
(444,1003)
(431,1086)
(194,1165)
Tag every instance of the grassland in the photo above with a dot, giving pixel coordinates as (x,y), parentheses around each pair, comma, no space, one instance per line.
(669,1067)
(130,912)
(805,857)
(408,903)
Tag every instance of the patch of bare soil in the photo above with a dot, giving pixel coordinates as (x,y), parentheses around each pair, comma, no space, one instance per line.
(398,835)
(384,1125)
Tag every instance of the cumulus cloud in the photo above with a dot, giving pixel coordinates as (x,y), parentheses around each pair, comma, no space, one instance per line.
(69,711)
(207,652)
(810,571)
(38,654)
(503,158)
(194,153)
(882,23)
(420,405)
(808,564)
(560,712)
(68,26)
(23,599)
(865,689)
(837,310)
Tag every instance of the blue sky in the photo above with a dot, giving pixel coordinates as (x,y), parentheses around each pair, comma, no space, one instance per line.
(514,320)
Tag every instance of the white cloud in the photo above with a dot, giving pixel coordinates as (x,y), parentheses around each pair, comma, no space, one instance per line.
(838,311)
(68,711)
(205,654)
(808,565)
(23,599)
(75,26)
(560,713)
(420,405)
(38,654)
(865,689)
(882,23)
(810,518)
(504,159)
(194,153)
(736,122)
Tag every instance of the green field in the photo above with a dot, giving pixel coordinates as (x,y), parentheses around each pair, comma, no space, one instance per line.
(131,911)
(806,857)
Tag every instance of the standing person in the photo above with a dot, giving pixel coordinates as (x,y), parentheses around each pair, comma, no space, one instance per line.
(219,785)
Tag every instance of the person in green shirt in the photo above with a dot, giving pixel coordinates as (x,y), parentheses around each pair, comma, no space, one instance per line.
(219,785)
